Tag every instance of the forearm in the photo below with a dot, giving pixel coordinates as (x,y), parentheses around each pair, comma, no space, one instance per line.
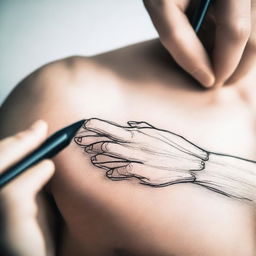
(232,176)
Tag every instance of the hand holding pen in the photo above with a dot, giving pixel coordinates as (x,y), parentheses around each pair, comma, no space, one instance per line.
(233,54)
(19,208)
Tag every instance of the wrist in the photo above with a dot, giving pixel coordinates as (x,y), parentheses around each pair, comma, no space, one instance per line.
(229,175)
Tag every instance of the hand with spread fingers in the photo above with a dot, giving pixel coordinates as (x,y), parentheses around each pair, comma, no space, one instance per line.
(228,35)
(155,157)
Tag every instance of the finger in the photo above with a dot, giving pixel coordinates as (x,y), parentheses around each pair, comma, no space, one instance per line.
(31,181)
(233,27)
(132,170)
(113,149)
(150,175)
(16,147)
(82,132)
(246,64)
(108,162)
(90,139)
(108,129)
(179,38)
(114,174)
(140,124)
(249,56)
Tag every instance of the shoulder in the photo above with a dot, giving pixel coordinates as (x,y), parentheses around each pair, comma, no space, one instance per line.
(42,93)
(62,91)
(58,92)
(62,72)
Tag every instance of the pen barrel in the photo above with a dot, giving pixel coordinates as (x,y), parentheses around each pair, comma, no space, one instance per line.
(47,150)
(199,14)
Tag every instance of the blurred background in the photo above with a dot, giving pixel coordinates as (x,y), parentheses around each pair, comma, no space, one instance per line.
(35,32)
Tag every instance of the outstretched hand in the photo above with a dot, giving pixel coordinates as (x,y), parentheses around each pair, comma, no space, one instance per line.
(155,157)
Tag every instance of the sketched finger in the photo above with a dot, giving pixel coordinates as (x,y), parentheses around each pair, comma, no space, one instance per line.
(168,182)
(83,132)
(150,175)
(113,149)
(131,170)
(108,162)
(139,124)
(114,174)
(108,129)
(85,141)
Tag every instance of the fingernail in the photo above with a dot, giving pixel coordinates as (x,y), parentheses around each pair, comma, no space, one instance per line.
(88,148)
(94,159)
(204,78)
(85,121)
(78,139)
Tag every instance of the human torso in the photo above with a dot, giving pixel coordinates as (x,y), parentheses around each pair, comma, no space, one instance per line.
(105,217)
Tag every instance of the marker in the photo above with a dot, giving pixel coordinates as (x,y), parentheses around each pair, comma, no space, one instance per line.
(52,146)
(199,15)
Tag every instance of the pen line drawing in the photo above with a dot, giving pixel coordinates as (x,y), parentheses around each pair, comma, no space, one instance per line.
(158,158)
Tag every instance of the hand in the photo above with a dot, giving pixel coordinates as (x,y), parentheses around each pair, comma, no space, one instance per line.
(155,157)
(234,38)
(21,232)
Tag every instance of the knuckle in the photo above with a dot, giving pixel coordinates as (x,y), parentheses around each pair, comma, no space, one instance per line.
(108,147)
(239,31)
(105,146)
(130,168)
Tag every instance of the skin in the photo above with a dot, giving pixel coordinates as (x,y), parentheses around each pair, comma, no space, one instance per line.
(160,158)
(227,56)
(21,198)
(140,82)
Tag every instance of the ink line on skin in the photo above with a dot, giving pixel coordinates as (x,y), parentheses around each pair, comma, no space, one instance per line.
(158,158)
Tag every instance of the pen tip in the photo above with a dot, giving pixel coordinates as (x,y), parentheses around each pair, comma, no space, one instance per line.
(73,128)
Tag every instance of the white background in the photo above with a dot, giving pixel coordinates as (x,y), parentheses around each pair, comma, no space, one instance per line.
(34,32)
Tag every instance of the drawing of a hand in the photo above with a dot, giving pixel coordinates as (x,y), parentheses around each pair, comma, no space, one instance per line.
(154,156)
